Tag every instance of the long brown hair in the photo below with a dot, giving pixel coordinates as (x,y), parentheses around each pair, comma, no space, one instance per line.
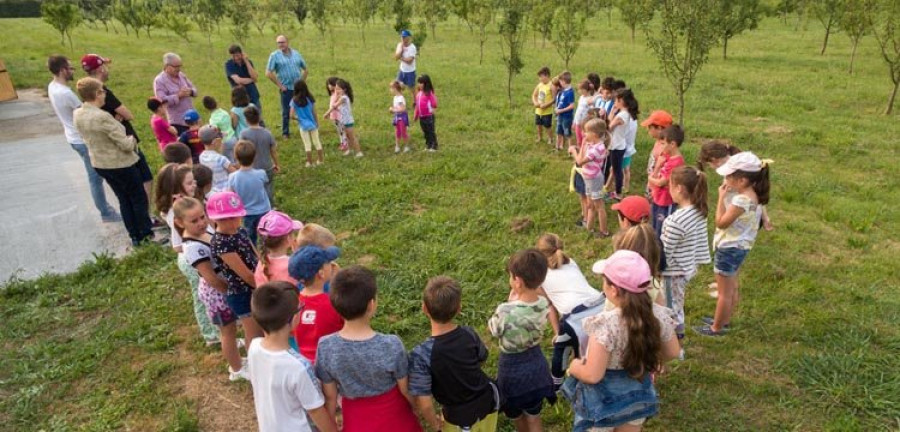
(694,182)
(644,348)
(268,243)
(640,238)
(715,149)
(552,247)
(759,180)
(169,183)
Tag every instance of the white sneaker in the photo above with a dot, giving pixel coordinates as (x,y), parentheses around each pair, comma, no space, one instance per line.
(396,149)
(347,152)
(308,164)
(406,149)
(359,154)
(241,344)
(714,294)
(243,374)
(319,162)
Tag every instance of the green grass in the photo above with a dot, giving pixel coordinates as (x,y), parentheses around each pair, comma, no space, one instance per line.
(816,344)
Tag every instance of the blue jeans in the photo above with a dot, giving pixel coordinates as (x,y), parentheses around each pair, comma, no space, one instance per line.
(286,111)
(128,186)
(658,215)
(250,223)
(95,182)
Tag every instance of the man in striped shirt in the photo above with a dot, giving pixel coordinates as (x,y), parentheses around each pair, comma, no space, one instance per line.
(285,67)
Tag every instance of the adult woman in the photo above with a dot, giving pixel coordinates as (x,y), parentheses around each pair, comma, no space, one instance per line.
(114,157)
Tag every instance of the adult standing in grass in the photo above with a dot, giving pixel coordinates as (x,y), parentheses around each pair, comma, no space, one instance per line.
(285,66)
(175,89)
(240,72)
(64,103)
(406,52)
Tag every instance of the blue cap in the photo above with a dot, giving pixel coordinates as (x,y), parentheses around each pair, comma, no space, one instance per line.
(405,33)
(306,262)
(191,116)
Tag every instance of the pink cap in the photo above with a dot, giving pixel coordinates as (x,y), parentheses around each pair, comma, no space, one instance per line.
(625,269)
(277,224)
(90,62)
(225,205)
(744,161)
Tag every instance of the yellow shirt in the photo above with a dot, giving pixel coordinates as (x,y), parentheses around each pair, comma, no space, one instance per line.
(544,93)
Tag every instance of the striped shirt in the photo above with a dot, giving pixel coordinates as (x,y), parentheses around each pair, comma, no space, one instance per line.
(685,240)
(286,67)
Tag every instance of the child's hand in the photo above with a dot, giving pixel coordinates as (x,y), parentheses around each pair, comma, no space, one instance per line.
(276,168)
(723,189)
(767,225)
(572,150)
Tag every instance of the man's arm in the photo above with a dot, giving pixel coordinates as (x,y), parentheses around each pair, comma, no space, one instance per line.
(123,113)
(274,79)
(162,94)
(251,70)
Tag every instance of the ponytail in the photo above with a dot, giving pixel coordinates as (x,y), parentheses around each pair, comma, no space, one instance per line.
(715,149)
(551,246)
(643,351)
(694,182)
(267,244)
(761,185)
(641,238)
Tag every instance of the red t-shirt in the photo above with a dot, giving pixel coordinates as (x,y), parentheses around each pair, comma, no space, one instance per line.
(317,318)
(661,195)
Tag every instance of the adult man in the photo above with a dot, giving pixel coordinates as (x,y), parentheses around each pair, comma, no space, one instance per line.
(406,52)
(240,72)
(285,66)
(64,102)
(176,90)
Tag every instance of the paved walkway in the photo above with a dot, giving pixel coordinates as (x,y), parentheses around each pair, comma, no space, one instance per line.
(48,223)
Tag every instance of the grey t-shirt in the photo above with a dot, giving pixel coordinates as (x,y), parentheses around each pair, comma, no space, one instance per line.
(264,142)
(361,368)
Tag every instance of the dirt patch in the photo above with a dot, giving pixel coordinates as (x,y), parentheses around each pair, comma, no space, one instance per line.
(418,209)
(366,260)
(520,224)
(343,236)
(778,130)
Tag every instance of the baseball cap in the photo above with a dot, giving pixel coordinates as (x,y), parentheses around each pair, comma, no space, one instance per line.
(405,33)
(308,260)
(225,205)
(191,115)
(208,133)
(743,161)
(277,224)
(90,62)
(625,269)
(633,207)
(658,118)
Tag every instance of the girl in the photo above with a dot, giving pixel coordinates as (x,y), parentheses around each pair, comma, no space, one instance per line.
(401,118)
(234,255)
(426,104)
(277,234)
(625,346)
(684,237)
(240,100)
(738,217)
(627,110)
(203,176)
(586,94)
(641,238)
(630,151)
(190,220)
(174,182)
(632,210)
(591,157)
(344,107)
(335,116)
(303,108)
(164,132)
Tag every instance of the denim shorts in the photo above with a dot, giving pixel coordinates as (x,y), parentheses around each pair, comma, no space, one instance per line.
(407,78)
(578,184)
(593,188)
(564,126)
(728,260)
(543,120)
(239,303)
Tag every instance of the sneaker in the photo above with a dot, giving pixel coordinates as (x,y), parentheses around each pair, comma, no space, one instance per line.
(580,223)
(242,374)
(308,165)
(212,342)
(600,234)
(706,330)
(285,137)
(344,146)
(157,224)
(681,355)
(318,162)
(347,152)
(714,294)
(241,343)
(111,217)
(709,321)
(359,154)
(396,149)
(406,149)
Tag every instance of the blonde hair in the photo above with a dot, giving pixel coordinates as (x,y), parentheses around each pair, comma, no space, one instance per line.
(87,88)
(640,238)
(315,234)
(551,246)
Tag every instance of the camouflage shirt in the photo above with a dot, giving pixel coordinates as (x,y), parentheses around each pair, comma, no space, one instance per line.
(519,325)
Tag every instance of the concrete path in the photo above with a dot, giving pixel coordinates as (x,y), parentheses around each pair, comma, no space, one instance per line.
(48,223)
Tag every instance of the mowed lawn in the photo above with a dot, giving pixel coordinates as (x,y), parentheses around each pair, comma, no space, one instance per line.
(815,344)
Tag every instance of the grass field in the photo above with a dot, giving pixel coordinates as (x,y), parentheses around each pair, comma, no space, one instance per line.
(816,344)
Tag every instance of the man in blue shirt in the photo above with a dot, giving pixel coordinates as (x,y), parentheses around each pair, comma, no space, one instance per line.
(240,71)
(285,67)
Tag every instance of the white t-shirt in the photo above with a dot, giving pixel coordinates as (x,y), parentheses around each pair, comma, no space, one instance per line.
(619,133)
(630,149)
(568,288)
(581,110)
(408,51)
(64,102)
(399,101)
(284,388)
(219,166)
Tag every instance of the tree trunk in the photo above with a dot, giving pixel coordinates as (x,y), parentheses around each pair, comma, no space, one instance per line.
(853,54)
(725,48)
(890,107)
(609,16)
(433,26)
(825,43)
(481,58)
(681,108)
(632,32)
(509,77)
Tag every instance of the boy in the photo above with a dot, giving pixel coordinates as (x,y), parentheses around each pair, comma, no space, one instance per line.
(178,153)
(603,105)
(191,137)
(285,391)
(211,139)
(523,374)
(542,98)
(370,368)
(670,158)
(250,185)
(315,234)
(448,366)
(262,139)
(565,111)
(655,123)
(314,267)
(225,121)
(164,132)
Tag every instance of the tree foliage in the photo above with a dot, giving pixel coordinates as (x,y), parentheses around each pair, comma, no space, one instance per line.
(95,11)
(172,18)
(541,20)
(64,16)
(636,12)
(734,17)
(480,16)
(886,29)
(856,21)
(828,13)
(432,12)
(239,14)
(398,11)
(513,22)
(568,29)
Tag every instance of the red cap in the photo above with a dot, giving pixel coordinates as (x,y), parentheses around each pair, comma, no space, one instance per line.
(92,62)
(633,207)
(658,118)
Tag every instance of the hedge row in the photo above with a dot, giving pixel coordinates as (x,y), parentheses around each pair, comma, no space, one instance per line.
(20,8)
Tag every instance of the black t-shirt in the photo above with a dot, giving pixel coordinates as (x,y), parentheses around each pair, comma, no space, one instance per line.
(110,106)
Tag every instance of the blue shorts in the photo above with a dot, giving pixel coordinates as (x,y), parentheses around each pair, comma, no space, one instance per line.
(728,260)
(407,78)
(239,303)
(579,184)
(564,126)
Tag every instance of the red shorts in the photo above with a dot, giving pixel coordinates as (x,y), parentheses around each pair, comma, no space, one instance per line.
(387,412)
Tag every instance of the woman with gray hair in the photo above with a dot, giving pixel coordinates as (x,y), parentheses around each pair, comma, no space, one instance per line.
(174,88)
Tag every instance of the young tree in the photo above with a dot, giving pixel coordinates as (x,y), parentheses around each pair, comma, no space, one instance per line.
(321,15)
(173,19)
(636,12)
(204,15)
(785,8)
(432,12)
(400,11)
(568,29)
(359,12)
(733,17)
(856,22)
(512,28)
(97,10)
(261,12)
(828,12)
(481,15)
(681,40)
(886,29)
(300,11)
(463,9)
(239,14)
(542,21)
(64,16)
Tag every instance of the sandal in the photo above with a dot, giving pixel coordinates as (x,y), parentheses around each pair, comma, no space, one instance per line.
(706,330)
(600,234)
(709,321)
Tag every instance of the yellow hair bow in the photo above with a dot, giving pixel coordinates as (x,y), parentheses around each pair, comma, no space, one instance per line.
(766,162)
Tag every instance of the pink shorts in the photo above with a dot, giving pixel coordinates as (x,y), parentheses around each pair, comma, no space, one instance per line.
(579,134)
(400,130)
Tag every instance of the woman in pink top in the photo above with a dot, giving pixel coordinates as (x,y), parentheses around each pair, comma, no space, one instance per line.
(335,115)
(277,237)
(426,104)
(165,133)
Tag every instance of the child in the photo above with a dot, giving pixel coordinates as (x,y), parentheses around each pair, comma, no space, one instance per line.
(447,366)
(334,115)
(233,254)
(211,138)
(565,111)
(191,136)
(203,176)
(604,101)
(164,132)
(266,158)
(277,237)
(523,374)
(250,186)
(303,108)
(315,267)
(626,345)
(285,392)
(240,100)
(344,107)
(426,104)
(400,117)
(715,153)
(368,368)
(630,151)
(642,239)
(585,94)
(655,123)
(619,127)
(220,118)
(591,158)
(190,219)
(670,158)
(177,153)
(543,97)
(685,238)
(632,210)
(738,217)
(315,234)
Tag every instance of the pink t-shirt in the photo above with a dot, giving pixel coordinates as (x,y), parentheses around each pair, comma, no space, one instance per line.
(425,104)
(596,154)
(160,128)
(661,195)
(278,271)
(332,101)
